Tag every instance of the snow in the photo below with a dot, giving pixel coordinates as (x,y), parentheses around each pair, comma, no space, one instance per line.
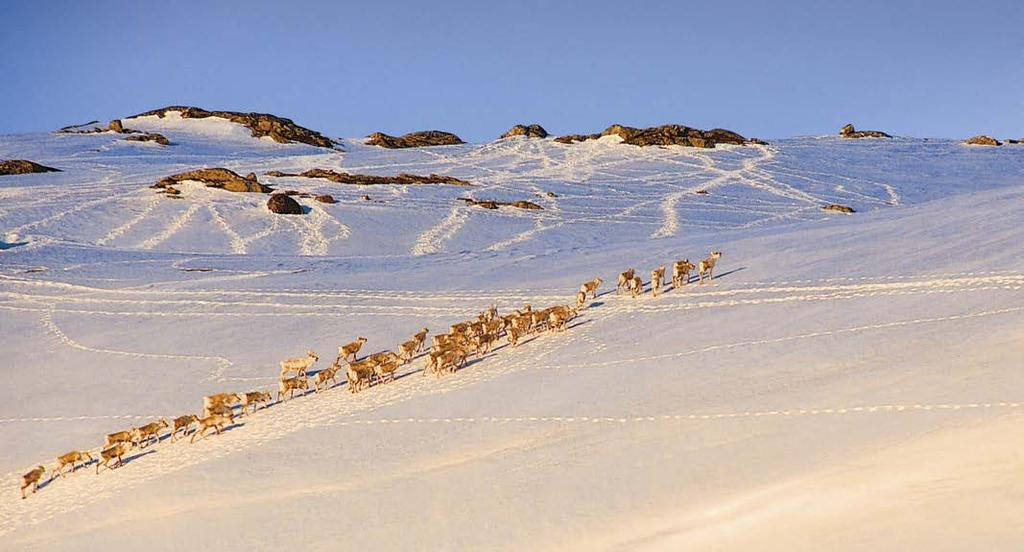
(846,382)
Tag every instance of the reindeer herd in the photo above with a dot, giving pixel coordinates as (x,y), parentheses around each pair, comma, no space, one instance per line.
(448,353)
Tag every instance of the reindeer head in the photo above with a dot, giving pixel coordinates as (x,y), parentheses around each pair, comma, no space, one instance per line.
(716,254)
(163,422)
(311,355)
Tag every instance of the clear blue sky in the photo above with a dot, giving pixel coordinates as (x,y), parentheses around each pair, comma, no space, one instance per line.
(769,69)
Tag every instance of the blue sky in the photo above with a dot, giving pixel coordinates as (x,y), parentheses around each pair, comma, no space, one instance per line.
(768,69)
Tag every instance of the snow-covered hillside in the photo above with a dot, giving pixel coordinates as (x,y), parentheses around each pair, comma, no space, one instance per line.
(842,377)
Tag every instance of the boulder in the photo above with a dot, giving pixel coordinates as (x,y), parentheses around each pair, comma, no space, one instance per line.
(369,180)
(664,135)
(835,207)
(116,126)
(326,198)
(283,205)
(494,204)
(279,129)
(23,166)
(224,179)
(413,139)
(530,131)
(981,140)
(849,132)
(149,137)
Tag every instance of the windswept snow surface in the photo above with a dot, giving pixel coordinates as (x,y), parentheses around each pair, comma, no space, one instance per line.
(846,382)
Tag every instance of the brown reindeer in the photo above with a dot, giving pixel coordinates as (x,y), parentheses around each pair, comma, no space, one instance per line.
(290,385)
(359,373)
(117,450)
(590,288)
(149,433)
(681,272)
(183,423)
(216,421)
(255,399)
(31,479)
(707,265)
(351,349)
(71,458)
(657,275)
(624,279)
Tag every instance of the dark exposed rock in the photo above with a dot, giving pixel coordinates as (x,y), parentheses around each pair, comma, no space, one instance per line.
(530,131)
(664,135)
(364,197)
(71,128)
(369,180)
(413,139)
(283,204)
(981,140)
(217,178)
(279,129)
(149,137)
(1012,141)
(326,198)
(116,126)
(22,166)
(837,208)
(494,204)
(849,132)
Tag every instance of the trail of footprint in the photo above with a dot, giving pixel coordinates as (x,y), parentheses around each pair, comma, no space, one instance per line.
(433,240)
(177,224)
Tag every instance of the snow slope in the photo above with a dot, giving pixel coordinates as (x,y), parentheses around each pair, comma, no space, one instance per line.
(847,382)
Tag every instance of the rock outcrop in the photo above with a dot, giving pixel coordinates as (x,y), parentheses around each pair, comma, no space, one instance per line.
(413,139)
(279,129)
(494,204)
(849,132)
(370,180)
(283,204)
(23,166)
(530,131)
(835,207)
(326,198)
(223,179)
(981,140)
(664,135)
(149,137)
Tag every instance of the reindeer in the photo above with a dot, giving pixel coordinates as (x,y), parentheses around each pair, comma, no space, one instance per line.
(636,286)
(590,287)
(328,373)
(31,479)
(420,337)
(71,458)
(119,437)
(624,279)
(183,423)
(385,365)
(216,421)
(513,336)
(351,349)
(117,450)
(298,365)
(407,350)
(681,272)
(359,374)
(220,399)
(581,299)
(144,435)
(289,385)
(254,398)
(707,265)
(657,275)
